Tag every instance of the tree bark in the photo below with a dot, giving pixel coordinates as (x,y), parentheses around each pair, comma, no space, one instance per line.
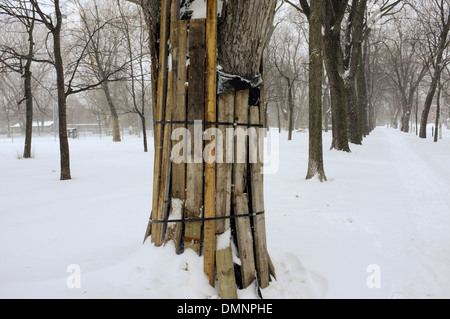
(315,163)
(438,113)
(438,67)
(334,13)
(113,110)
(62,104)
(29,94)
(290,121)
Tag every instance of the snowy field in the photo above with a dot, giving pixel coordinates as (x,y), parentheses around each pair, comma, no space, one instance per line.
(379,228)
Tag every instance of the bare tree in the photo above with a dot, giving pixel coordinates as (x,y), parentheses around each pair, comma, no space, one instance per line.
(435,19)
(405,68)
(20,11)
(285,53)
(137,55)
(314,14)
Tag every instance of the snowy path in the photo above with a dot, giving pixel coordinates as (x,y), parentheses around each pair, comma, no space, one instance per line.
(385,204)
(426,184)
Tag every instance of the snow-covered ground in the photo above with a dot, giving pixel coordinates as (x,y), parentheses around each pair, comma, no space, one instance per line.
(381,221)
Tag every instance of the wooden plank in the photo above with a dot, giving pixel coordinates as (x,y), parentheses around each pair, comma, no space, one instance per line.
(240,197)
(225,114)
(160,115)
(178,184)
(166,167)
(245,241)
(195,112)
(257,191)
(210,116)
(224,256)
(225,267)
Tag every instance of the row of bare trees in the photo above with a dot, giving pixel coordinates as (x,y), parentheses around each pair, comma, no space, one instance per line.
(381,60)
(85,45)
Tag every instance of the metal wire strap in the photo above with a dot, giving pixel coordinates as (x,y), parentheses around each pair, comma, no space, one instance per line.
(193,220)
(210,123)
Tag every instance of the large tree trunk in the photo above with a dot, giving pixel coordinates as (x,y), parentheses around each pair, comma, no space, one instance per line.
(353,62)
(338,95)
(241,36)
(243,31)
(315,162)
(334,13)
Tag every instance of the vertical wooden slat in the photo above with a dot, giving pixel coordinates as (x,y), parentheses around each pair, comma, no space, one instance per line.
(257,191)
(166,167)
(178,184)
(225,114)
(155,229)
(240,196)
(195,112)
(224,255)
(225,267)
(210,116)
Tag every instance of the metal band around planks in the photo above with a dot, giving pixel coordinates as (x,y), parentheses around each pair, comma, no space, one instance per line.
(193,220)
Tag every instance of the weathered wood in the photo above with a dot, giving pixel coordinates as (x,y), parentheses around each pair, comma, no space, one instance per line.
(225,267)
(224,257)
(195,112)
(240,197)
(210,116)
(166,167)
(178,184)
(245,241)
(225,114)
(156,229)
(257,191)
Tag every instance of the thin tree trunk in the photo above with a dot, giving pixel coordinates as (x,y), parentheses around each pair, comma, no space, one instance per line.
(144,133)
(438,113)
(427,107)
(29,112)
(62,105)
(113,110)
(290,112)
(28,93)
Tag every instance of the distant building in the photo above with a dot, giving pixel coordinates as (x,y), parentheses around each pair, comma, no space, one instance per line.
(43,127)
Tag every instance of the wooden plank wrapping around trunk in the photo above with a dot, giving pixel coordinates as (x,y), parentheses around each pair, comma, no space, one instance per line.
(257,191)
(224,167)
(245,241)
(166,165)
(225,267)
(156,229)
(195,112)
(224,255)
(178,184)
(240,196)
(210,116)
